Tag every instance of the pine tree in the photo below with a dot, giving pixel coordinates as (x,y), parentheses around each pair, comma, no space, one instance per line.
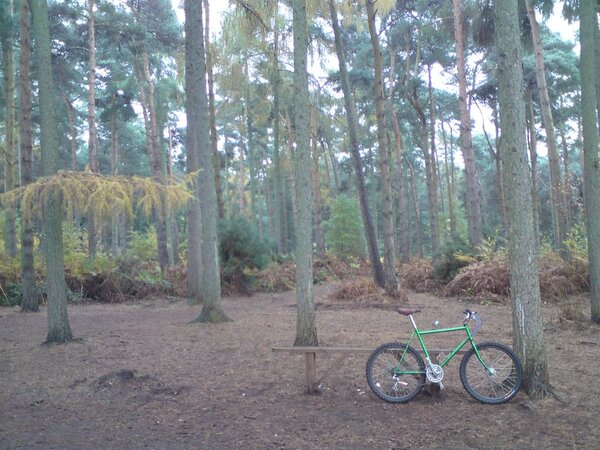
(59,329)
(528,326)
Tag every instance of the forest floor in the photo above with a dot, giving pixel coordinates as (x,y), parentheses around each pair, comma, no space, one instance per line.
(222,387)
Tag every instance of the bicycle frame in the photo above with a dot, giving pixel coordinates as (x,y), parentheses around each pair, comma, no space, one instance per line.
(420,333)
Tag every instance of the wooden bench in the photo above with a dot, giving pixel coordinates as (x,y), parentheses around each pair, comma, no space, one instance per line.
(310,358)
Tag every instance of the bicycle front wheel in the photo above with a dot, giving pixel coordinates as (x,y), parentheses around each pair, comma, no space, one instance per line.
(497,383)
(395,372)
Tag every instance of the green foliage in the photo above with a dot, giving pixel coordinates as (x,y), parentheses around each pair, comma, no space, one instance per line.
(241,250)
(10,289)
(576,242)
(453,257)
(77,262)
(345,235)
(141,246)
(10,294)
(492,248)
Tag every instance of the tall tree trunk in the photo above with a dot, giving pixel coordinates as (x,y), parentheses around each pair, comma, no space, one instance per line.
(318,216)
(30,301)
(306,329)
(449,175)
(251,155)
(241,194)
(535,198)
(435,234)
(72,131)
(473,202)
(59,329)
(429,173)
(383,153)
(352,119)
(335,185)
(528,327)
(91,120)
(10,158)
(418,222)
(404,247)
(118,220)
(589,104)
(194,226)
(211,111)
(566,190)
(597,55)
(404,234)
(147,102)
(556,199)
(290,172)
(499,172)
(198,124)
(278,188)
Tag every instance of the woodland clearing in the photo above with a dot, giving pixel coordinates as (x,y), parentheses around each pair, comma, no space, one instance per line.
(141,375)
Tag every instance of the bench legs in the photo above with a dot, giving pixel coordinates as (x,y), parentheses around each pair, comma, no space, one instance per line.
(311,372)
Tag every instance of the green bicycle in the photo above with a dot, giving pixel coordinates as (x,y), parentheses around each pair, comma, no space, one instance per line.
(490,372)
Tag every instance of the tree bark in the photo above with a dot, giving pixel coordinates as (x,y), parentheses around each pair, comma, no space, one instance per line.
(352,119)
(30,301)
(318,216)
(589,104)
(306,329)
(435,234)
(150,121)
(402,225)
(528,326)
(430,178)
(10,157)
(404,247)
(556,198)
(59,329)
(383,153)
(418,222)
(473,202)
(211,111)
(567,194)
(449,175)
(535,198)
(194,227)
(72,131)
(251,153)
(91,120)
(197,110)
(278,188)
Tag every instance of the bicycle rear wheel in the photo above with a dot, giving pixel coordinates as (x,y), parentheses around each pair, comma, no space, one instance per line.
(497,384)
(395,372)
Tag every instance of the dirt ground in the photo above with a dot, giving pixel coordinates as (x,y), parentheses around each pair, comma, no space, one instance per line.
(142,376)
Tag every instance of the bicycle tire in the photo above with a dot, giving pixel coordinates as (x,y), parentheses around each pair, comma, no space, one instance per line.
(382,377)
(495,387)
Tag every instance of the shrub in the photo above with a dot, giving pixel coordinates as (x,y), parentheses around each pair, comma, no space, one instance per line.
(142,245)
(242,251)
(453,257)
(576,243)
(419,276)
(482,279)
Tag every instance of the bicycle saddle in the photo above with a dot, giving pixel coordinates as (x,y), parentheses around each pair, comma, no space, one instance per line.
(408,311)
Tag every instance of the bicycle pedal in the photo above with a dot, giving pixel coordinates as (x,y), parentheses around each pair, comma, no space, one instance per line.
(441,385)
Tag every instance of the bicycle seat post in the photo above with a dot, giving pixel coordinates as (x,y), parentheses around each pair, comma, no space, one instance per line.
(409,312)
(413,322)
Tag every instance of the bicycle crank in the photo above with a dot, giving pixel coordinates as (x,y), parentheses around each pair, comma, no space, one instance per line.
(435,373)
